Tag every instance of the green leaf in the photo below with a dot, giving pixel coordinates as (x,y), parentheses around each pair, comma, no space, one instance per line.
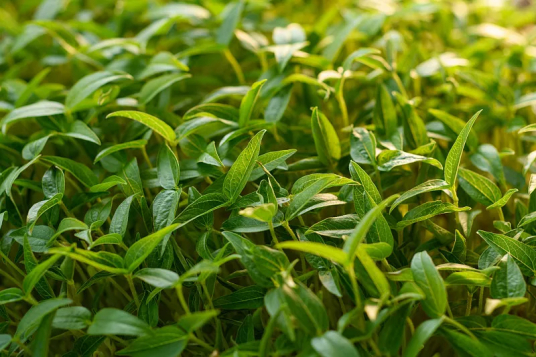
(110,321)
(160,278)
(264,213)
(78,170)
(375,274)
(478,187)
(34,148)
(428,186)
(38,209)
(168,341)
(465,344)
(508,281)
(112,238)
(384,117)
(167,168)
(89,84)
(196,320)
(328,147)
(72,318)
(271,160)
(136,144)
(333,344)
(67,224)
(40,109)
(454,157)
(37,273)
(455,124)
(150,121)
(351,244)
(320,249)
(200,207)
(79,130)
(153,87)
(335,227)
(428,210)
(248,103)
(10,295)
(524,255)
(504,199)
(515,324)
(430,282)
(120,219)
(363,146)
(238,175)
(278,104)
(390,159)
(31,320)
(468,278)
(421,335)
(140,250)
(488,159)
(224,34)
(251,297)
(107,183)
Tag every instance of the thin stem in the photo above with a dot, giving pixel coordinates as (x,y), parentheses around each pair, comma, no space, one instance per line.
(272,232)
(133,290)
(236,67)
(469,304)
(201,343)
(501,215)
(480,300)
(357,297)
(182,300)
(146,157)
(460,326)
(11,263)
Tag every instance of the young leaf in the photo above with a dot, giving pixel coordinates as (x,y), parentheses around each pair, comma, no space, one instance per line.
(89,84)
(248,103)
(167,168)
(238,175)
(454,157)
(430,282)
(150,121)
(428,210)
(328,147)
(508,282)
(522,253)
(109,321)
(140,250)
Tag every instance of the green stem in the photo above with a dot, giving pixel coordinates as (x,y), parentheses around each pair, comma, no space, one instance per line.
(357,297)
(272,232)
(501,215)
(236,66)
(10,263)
(460,326)
(182,300)
(469,304)
(201,343)
(266,337)
(133,290)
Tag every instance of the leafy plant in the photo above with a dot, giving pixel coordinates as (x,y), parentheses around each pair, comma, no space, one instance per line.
(267,178)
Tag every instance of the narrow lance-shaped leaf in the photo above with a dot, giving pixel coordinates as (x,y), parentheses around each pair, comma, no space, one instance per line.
(454,157)
(328,147)
(238,175)
(248,103)
(150,121)
(428,279)
(360,231)
(524,254)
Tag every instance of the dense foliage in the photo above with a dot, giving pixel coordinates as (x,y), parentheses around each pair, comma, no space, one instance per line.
(256,178)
